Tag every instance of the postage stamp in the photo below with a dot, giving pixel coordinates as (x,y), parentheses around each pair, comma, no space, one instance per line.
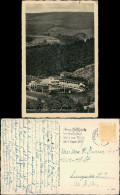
(105,133)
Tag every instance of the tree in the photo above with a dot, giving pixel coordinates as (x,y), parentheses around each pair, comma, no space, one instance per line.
(67,57)
(56,105)
(53,103)
(66,107)
(28,104)
(33,105)
(45,41)
(79,107)
(29,39)
(89,100)
(39,104)
(53,93)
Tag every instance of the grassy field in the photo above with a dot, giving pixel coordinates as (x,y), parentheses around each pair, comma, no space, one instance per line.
(43,39)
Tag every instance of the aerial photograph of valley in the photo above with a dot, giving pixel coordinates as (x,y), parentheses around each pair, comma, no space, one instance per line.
(60,61)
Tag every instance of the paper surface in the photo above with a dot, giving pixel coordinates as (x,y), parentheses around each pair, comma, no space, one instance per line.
(59,156)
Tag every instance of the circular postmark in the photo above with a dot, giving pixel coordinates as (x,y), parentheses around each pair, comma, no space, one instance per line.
(96,139)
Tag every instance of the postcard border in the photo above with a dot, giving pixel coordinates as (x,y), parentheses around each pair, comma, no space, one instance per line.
(58,115)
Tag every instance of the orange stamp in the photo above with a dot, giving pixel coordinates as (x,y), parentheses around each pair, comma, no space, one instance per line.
(107,132)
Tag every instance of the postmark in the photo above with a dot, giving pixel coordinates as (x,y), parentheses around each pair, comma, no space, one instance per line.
(96,139)
(74,135)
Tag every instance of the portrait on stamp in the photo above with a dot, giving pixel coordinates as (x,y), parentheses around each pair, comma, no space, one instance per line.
(60,59)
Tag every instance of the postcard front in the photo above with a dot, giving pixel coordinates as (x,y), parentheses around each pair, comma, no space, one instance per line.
(60,59)
(63,156)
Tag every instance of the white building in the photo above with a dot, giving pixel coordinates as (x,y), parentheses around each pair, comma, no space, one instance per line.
(62,74)
(53,80)
(32,85)
(81,85)
(78,87)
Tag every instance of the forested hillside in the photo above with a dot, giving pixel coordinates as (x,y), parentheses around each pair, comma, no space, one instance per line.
(52,59)
(87,73)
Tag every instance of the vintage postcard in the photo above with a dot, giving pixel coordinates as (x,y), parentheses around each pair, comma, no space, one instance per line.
(60,59)
(60,156)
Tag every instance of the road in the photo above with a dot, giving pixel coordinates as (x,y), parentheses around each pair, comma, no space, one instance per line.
(31,97)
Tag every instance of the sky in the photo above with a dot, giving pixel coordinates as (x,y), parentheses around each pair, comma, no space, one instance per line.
(58,6)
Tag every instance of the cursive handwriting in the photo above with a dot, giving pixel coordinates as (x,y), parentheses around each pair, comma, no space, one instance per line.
(90,179)
(81,159)
(30,156)
(83,150)
(100,175)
